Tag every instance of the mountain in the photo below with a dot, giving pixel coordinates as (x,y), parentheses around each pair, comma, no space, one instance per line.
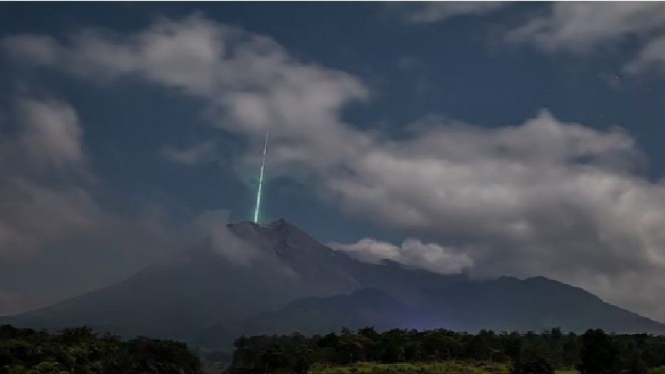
(292,282)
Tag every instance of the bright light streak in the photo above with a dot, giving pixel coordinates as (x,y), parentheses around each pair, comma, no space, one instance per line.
(258,194)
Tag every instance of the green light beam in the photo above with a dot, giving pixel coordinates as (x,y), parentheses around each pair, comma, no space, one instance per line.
(258,194)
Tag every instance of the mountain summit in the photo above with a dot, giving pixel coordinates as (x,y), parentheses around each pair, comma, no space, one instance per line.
(291,282)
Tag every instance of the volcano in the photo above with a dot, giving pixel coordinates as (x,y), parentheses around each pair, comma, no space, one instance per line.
(294,283)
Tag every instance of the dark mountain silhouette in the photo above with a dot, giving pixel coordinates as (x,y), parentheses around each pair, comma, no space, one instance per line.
(294,282)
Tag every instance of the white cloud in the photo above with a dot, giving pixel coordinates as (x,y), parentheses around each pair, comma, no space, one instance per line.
(31,48)
(580,26)
(538,198)
(436,11)
(50,133)
(34,215)
(412,253)
(586,27)
(46,141)
(651,57)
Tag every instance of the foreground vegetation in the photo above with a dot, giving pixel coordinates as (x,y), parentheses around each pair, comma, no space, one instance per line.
(413,368)
(80,351)
(443,351)
(366,351)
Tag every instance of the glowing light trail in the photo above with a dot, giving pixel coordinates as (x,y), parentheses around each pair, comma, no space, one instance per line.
(258,194)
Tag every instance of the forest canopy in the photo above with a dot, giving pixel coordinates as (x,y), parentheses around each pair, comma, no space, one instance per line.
(593,352)
(81,351)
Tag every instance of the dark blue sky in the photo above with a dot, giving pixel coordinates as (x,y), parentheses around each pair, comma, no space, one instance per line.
(490,67)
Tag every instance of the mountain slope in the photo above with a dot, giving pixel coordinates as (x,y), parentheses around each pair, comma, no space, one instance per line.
(295,283)
(532,304)
(200,287)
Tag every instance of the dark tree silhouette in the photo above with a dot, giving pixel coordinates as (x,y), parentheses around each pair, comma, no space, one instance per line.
(528,353)
(81,351)
(599,355)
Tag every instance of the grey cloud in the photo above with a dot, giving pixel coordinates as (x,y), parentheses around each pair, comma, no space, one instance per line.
(248,249)
(46,141)
(35,215)
(211,225)
(581,26)
(41,136)
(412,252)
(51,133)
(436,11)
(192,49)
(33,48)
(53,228)
(585,27)
(651,57)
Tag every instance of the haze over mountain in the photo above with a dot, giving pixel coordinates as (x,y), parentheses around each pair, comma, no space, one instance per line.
(290,282)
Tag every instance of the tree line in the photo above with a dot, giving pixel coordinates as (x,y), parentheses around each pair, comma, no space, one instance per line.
(594,352)
(81,351)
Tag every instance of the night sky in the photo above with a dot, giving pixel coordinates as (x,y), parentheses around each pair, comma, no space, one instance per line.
(486,138)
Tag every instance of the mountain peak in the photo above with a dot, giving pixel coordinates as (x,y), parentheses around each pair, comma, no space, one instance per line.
(283,226)
(242,225)
(279,236)
(277,224)
(280,227)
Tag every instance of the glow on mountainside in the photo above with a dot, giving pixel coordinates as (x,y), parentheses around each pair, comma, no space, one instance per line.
(258,194)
